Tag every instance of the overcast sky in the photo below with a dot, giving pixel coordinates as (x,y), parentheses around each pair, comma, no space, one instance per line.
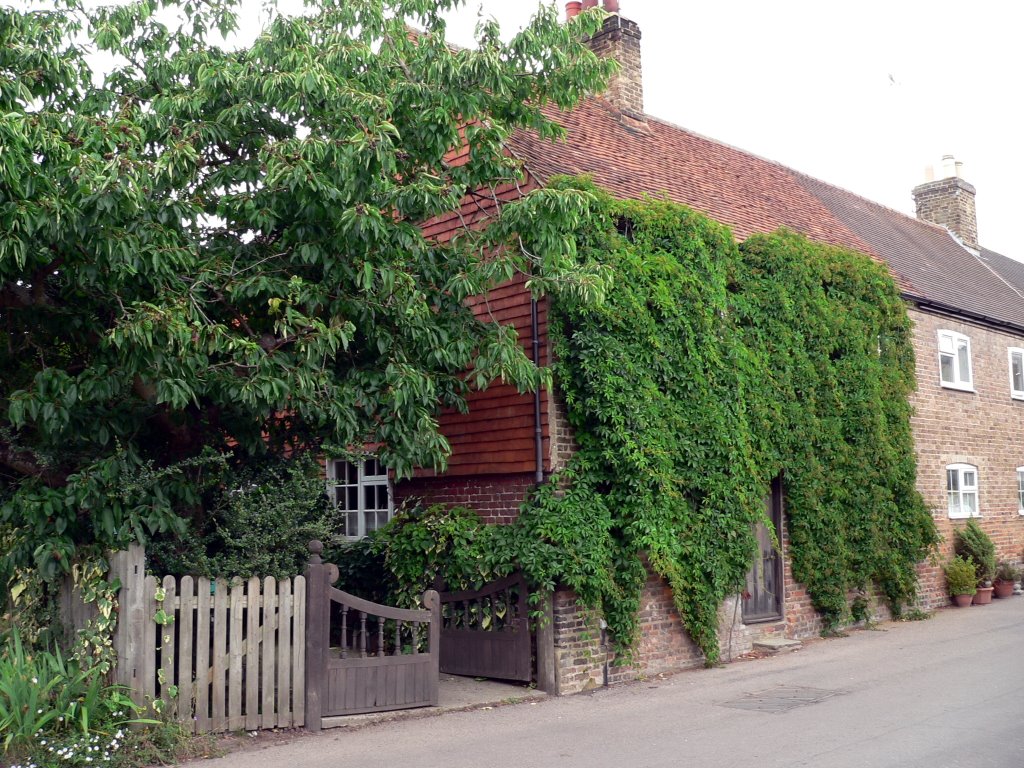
(862,95)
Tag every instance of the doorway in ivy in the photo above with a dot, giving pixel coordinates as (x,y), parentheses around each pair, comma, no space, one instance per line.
(762,599)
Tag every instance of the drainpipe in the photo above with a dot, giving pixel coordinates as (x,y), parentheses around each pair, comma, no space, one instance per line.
(538,435)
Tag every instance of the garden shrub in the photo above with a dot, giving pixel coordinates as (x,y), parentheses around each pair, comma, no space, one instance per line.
(973,543)
(262,518)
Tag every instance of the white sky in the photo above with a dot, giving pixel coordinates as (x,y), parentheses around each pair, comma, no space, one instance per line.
(862,95)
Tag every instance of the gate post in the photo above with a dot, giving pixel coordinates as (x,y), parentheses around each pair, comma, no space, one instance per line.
(432,602)
(547,672)
(317,617)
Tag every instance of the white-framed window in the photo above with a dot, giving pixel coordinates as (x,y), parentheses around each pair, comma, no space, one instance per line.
(1016,373)
(955,360)
(962,490)
(361,490)
(1020,490)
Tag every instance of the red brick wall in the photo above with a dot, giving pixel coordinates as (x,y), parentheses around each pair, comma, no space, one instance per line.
(984,428)
(582,651)
(495,497)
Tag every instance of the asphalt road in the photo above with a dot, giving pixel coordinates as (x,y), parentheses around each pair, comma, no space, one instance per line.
(938,694)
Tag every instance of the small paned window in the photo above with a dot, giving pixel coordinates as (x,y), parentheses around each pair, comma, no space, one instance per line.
(955,360)
(1017,373)
(1020,490)
(360,489)
(962,490)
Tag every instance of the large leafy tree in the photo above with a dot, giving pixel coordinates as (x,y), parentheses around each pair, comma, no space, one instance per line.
(208,247)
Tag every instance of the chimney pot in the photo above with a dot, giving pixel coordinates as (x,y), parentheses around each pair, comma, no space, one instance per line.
(572,9)
(589,4)
(612,6)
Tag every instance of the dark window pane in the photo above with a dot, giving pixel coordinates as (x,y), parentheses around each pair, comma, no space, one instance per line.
(353,497)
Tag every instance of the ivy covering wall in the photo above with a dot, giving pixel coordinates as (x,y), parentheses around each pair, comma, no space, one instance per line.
(709,370)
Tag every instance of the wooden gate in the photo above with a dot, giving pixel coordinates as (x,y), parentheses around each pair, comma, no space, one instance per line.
(486,632)
(762,600)
(362,656)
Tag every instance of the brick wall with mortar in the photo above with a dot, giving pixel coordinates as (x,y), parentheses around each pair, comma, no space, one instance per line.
(950,203)
(983,428)
(582,651)
(496,498)
(619,39)
(563,440)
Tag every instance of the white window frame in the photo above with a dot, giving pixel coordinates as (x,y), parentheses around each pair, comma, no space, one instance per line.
(955,506)
(1016,394)
(363,480)
(954,341)
(1020,490)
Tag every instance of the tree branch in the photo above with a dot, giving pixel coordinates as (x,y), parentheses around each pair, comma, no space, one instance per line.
(25,463)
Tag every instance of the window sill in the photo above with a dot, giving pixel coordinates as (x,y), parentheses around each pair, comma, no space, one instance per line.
(967,517)
(957,387)
(1017,395)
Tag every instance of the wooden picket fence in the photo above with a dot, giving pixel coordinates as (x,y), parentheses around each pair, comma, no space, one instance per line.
(223,655)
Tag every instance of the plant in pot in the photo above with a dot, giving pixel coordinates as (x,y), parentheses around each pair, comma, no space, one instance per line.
(972,542)
(961,580)
(1006,574)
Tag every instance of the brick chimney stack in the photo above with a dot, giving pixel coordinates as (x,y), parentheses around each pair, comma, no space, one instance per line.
(949,202)
(619,39)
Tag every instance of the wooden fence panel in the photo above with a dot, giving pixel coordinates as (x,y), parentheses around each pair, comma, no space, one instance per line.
(203,672)
(299,651)
(149,646)
(218,680)
(165,642)
(268,654)
(186,666)
(250,679)
(236,720)
(234,650)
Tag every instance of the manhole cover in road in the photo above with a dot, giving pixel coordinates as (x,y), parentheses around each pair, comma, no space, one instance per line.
(780,699)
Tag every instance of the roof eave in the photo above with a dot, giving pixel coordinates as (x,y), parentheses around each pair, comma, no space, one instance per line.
(938,307)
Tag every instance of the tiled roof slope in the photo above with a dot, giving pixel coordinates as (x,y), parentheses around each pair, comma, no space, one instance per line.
(746,192)
(751,194)
(936,265)
(1010,270)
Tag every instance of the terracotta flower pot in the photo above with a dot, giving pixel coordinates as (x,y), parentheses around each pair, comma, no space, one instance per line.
(983,596)
(962,601)
(1003,589)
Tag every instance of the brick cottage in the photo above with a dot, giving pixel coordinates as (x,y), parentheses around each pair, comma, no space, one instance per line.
(967,308)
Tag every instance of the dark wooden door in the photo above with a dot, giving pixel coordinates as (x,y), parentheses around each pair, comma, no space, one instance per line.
(762,600)
(486,632)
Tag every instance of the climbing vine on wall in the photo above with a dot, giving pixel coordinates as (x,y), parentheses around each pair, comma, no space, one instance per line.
(712,368)
(709,370)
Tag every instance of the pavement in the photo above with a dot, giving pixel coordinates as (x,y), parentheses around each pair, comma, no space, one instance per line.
(943,693)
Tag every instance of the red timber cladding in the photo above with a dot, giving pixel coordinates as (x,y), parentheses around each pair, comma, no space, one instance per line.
(497,435)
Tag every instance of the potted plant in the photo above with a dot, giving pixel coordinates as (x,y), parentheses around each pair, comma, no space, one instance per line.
(973,543)
(961,580)
(1006,574)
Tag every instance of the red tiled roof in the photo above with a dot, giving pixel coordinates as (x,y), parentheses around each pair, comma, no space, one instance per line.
(751,194)
(746,192)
